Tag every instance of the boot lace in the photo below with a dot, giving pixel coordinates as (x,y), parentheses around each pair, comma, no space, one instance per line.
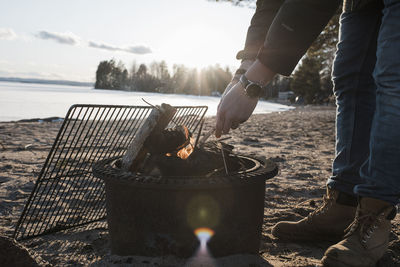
(366,224)
(327,202)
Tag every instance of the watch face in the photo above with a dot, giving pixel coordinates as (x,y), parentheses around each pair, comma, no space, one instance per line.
(253,90)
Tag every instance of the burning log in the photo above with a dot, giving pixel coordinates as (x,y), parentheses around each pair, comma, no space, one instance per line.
(174,142)
(171,152)
(169,141)
(154,124)
(205,161)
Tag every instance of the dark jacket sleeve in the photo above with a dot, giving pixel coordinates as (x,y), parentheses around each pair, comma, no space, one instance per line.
(259,25)
(294,28)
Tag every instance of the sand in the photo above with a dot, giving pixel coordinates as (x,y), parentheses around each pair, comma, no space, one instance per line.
(300,141)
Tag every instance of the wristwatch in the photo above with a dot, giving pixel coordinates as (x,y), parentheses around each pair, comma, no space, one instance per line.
(252,89)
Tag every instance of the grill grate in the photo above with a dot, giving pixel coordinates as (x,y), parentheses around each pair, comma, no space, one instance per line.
(66,194)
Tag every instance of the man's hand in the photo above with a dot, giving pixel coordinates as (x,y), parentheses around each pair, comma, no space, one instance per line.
(227,89)
(235,108)
(235,79)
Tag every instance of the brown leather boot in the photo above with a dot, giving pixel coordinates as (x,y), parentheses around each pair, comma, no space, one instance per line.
(328,222)
(367,238)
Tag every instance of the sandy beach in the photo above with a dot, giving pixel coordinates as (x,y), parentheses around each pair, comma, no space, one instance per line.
(300,141)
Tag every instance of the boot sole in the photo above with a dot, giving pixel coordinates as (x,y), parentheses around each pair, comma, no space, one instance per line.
(305,239)
(331,262)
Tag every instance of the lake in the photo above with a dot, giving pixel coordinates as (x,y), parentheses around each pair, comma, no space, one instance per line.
(29,100)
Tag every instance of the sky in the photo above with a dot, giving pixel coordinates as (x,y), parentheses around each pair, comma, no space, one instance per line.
(66,39)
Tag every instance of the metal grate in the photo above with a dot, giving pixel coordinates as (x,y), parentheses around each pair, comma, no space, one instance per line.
(66,194)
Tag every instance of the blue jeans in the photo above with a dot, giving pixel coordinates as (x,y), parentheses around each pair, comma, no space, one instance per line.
(366,77)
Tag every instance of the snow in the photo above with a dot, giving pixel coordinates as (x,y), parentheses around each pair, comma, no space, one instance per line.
(24,101)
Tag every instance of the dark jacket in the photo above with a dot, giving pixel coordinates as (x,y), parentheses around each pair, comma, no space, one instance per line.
(352,5)
(281,31)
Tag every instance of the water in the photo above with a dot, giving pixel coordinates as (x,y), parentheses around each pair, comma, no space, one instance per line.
(25,101)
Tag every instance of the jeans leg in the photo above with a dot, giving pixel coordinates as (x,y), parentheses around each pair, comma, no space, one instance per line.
(354,88)
(382,169)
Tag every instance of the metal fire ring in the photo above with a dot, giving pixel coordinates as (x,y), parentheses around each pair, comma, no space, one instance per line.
(262,170)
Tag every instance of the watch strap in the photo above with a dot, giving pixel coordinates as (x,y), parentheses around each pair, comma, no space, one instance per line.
(245,82)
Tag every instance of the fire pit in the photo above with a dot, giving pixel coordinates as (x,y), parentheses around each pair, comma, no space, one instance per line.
(191,204)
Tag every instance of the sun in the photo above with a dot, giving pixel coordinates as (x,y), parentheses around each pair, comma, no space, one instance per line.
(199,45)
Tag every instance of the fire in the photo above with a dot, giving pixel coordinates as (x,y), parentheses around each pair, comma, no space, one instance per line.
(187,148)
(185,152)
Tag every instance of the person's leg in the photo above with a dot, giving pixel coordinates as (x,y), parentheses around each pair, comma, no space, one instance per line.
(354,88)
(355,93)
(382,169)
(368,237)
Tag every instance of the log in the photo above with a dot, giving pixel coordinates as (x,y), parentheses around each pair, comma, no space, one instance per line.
(158,119)
(169,140)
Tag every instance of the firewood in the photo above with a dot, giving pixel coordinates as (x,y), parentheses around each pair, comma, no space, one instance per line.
(158,119)
(203,162)
(169,140)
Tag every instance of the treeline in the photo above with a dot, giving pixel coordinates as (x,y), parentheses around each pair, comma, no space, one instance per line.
(311,81)
(156,77)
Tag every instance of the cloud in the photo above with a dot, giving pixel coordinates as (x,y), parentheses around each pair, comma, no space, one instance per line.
(139,49)
(62,38)
(7,34)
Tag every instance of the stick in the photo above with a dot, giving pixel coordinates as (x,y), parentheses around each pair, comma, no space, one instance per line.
(223,157)
(198,135)
(206,136)
(155,122)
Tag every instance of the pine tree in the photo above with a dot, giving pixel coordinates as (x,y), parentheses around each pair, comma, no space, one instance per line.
(306,80)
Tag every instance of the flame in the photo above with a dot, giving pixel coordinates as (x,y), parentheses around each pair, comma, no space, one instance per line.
(185,149)
(185,152)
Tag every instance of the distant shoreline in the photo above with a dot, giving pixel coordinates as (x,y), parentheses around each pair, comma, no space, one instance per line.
(20,101)
(43,81)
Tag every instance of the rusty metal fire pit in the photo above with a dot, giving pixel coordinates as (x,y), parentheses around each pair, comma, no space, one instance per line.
(155,215)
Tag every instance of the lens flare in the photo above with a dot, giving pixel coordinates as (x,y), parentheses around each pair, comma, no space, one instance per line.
(202,211)
(202,257)
(203,234)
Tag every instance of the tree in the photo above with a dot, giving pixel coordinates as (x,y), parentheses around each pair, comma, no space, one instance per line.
(248,3)
(191,83)
(306,80)
(157,78)
(103,75)
(179,78)
(109,75)
(142,71)
(318,63)
(323,49)
(278,84)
